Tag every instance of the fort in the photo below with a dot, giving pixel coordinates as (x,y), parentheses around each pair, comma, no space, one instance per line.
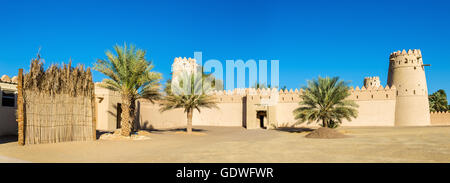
(403,101)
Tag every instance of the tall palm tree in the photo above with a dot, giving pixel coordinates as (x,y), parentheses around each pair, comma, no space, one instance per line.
(438,101)
(189,92)
(131,75)
(324,100)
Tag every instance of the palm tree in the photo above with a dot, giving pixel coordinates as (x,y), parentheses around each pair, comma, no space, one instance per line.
(131,75)
(438,101)
(189,92)
(324,100)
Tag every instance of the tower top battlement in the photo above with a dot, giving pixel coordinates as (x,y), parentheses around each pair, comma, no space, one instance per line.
(372,81)
(181,64)
(186,61)
(410,58)
(414,52)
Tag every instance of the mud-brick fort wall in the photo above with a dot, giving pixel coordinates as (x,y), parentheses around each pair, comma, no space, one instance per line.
(240,106)
(440,118)
(403,102)
(228,113)
(376,107)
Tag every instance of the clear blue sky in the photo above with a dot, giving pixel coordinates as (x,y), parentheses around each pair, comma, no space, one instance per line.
(350,39)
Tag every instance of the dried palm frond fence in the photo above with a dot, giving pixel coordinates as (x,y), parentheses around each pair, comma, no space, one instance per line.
(55,105)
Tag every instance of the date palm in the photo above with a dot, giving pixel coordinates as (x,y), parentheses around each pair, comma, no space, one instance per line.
(189,91)
(438,101)
(324,100)
(131,75)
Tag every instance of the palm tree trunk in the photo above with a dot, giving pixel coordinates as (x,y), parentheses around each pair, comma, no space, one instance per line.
(125,123)
(133,116)
(189,121)
(324,123)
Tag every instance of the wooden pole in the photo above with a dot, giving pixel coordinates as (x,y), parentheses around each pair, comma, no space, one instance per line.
(94,116)
(20,110)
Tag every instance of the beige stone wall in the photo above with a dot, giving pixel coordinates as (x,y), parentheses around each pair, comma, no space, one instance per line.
(106,102)
(440,118)
(228,113)
(376,107)
(287,103)
(151,118)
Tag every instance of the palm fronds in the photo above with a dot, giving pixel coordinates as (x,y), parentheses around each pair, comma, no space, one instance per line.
(130,74)
(324,100)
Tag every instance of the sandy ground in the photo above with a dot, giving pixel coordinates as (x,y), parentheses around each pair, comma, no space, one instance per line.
(234,144)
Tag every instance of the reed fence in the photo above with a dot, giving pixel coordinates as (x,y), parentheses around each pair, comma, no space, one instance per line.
(56,105)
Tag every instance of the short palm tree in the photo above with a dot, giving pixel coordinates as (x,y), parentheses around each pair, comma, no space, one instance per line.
(189,92)
(438,101)
(131,75)
(324,100)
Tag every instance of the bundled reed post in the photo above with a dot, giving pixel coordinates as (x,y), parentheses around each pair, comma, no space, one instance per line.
(59,104)
(94,117)
(20,107)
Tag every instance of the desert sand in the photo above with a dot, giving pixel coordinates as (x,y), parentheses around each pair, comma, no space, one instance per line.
(235,144)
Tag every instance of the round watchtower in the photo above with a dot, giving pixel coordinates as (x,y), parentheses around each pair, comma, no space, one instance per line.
(407,74)
(372,82)
(184,65)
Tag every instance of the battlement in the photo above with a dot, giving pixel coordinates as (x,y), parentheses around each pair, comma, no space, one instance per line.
(410,58)
(373,93)
(7,79)
(440,118)
(440,112)
(414,52)
(291,95)
(372,78)
(184,60)
(246,91)
(372,81)
(184,64)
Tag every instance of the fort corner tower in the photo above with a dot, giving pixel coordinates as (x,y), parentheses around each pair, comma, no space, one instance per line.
(184,65)
(407,74)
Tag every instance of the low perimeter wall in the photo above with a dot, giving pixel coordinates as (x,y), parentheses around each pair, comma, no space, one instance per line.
(440,118)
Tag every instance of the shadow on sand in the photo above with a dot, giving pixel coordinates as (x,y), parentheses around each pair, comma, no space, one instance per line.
(294,129)
(172,130)
(156,131)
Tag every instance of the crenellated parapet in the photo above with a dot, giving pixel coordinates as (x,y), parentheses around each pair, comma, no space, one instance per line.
(372,81)
(440,118)
(7,79)
(184,64)
(288,96)
(293,96)
(406,58)
(373,93)
(252,94)
(229,96)
(441,112)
